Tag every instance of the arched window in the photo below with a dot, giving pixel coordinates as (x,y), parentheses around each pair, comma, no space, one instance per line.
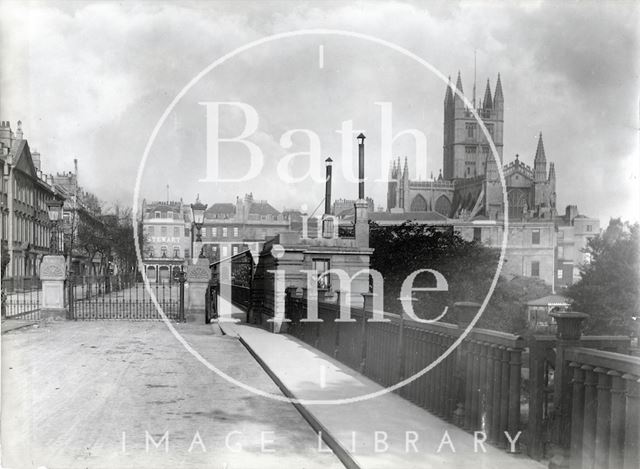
(517,203)
(418,204)
(443,205)
(151,273)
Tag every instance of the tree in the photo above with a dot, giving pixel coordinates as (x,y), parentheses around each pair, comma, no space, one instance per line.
(609,284)
(506,310)
(468,266)
(93,238)
(400,250)
(5,256)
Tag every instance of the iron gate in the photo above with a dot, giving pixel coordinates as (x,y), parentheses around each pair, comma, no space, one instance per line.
(21,298)
(124,297)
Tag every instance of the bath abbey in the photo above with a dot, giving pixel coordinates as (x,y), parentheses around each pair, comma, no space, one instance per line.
(469,186)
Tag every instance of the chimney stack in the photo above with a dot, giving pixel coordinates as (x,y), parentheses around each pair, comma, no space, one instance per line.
(35,156)
(361,206)
(327,186)
(361,138)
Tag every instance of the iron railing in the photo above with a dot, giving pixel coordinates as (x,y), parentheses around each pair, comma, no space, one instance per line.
(477,386)
(21,298)
(124,297)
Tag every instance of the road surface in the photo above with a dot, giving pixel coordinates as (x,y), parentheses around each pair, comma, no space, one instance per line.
(102,394)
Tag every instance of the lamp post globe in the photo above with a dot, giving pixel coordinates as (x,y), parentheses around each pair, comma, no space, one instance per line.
(54,211)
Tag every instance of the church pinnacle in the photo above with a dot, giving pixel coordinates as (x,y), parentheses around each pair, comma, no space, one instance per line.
(487,103)
(448,95)
(540,156)
(497,96)
(459,83)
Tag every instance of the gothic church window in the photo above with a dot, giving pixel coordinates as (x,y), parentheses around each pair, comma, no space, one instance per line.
(471,130)
(517,203)
(443,205)
(418,204)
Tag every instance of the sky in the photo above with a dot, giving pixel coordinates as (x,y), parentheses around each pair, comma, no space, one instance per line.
(91,80)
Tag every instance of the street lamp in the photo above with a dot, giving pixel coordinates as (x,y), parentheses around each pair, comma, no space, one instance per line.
(197,213)
(54,210)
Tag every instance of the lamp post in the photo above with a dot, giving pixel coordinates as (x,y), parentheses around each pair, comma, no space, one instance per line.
(54,210)
(197,213)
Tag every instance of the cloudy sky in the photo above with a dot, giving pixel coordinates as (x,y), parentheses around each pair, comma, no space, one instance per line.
(92,80)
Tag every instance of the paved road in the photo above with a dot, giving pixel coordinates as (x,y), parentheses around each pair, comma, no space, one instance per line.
(71,390)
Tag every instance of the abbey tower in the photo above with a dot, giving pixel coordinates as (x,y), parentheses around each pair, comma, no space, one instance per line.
(466,150)
(469,185)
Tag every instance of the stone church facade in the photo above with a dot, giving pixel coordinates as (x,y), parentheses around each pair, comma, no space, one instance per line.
(469,184)
(468,193)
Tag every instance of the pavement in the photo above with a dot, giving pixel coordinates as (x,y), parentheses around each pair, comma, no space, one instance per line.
(9,325)
(407,435)
(103,394)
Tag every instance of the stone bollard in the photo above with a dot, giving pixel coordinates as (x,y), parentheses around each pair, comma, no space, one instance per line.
(198,276)
(568,335)
(52,274)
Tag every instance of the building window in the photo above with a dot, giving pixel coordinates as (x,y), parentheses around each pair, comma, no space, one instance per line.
(158,214)
(234,250)
(186,232)
(225,251)
(224,232)
(535,269)
(186,252)
(169,214)
(321,266)
(490,129)
(214,232)
(204,231)
(163,231)
(471,130)
(163,250)
(589,228)
(176,231)
(235,231)
(560,252)
(559,274)
(470,149)
(535,237)
(176,251)
(477,234)
(151,230)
